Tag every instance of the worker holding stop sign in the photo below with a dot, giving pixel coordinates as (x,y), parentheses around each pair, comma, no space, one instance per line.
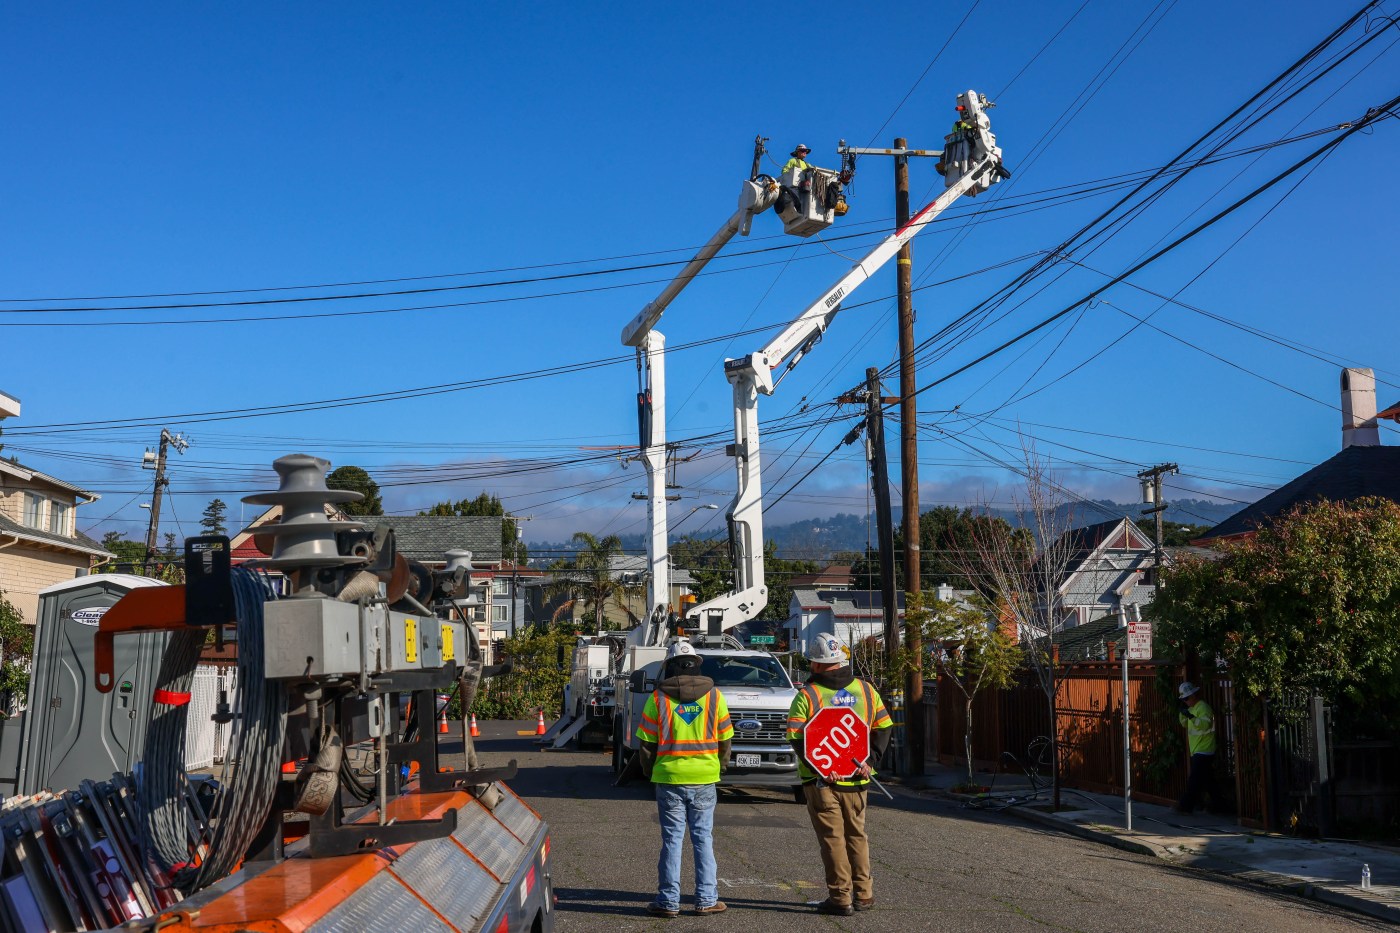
(838,726)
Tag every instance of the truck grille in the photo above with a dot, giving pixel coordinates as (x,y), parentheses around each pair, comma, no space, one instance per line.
(772,728)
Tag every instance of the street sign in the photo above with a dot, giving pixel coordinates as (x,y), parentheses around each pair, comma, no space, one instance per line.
(834,740)
(1139,640)
(762,639)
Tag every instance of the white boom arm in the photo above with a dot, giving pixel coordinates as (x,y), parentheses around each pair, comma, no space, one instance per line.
(971,163)
(754,198)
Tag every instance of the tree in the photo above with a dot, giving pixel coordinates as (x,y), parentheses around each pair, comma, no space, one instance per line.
(213,519)
(1020,573)
(1311,601)
(512,547)
(355,479)
(1178,534)
(16,647)
(777,575)
(967,646)
(946,535)
(707,562)
(590,578)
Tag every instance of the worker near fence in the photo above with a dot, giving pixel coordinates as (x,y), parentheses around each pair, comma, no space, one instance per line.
(1199,719)
(685,735)
(837,807)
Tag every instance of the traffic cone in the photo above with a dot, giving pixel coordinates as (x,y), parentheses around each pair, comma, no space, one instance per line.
(475,731)
(442,721)
(539,724)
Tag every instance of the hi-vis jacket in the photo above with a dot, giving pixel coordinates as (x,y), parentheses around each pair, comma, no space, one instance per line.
(1199,721)
(856,695)
(687,736)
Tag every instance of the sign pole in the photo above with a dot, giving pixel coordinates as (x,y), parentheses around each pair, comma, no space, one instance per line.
(1127,734)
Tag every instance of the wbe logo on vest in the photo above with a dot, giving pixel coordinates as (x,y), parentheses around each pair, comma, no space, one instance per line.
(689,712)
(843,698)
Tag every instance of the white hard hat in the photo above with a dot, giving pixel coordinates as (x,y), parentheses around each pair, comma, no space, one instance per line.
(824,649)
(681,649)
(800,147)
(1187,689)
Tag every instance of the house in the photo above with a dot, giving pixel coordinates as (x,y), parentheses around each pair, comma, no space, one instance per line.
(40,543)
(1363,467)
(831,577)
(1107,565)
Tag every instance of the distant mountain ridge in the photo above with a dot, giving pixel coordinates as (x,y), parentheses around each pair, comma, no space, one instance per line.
(820,538)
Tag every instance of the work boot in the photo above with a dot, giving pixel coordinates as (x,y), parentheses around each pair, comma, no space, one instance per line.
(829,906)
(867,904)
(657,910)
(718,907)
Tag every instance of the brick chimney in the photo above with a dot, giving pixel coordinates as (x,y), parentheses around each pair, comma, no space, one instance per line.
(1359,409)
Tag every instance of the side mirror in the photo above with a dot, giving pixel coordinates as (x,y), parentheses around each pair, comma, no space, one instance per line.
(637,683)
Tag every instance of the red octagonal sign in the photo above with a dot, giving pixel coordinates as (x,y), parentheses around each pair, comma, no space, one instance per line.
(834,741)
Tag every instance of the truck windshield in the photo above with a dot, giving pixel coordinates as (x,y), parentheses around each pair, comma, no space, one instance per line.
(757,671)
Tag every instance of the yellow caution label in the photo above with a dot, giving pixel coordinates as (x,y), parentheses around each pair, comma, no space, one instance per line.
(410,640)
(904,262)
(449,651)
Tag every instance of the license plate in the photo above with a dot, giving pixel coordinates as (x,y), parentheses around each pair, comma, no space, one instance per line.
(747,761)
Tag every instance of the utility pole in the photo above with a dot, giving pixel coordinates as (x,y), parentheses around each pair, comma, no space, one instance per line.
(884,519)
(166,439)
(908,437)
(1151,480)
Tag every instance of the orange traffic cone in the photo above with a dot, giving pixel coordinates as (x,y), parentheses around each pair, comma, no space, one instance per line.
(442,721)
(475,731)
(539,724)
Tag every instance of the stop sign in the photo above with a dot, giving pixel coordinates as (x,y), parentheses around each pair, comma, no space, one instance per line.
(834,740)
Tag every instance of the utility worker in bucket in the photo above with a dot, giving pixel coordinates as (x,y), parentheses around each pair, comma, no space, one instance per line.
(791,195)
(685,735)
(837,807)
(1199,719)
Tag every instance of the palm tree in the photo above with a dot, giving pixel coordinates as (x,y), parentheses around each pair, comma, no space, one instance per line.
(590,578)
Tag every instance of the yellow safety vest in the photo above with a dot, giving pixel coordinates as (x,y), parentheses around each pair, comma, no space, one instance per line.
(1199,721)
(687,737)
(857,695)
(796,163)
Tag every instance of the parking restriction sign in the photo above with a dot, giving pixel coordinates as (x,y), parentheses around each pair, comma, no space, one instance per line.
(1139,640)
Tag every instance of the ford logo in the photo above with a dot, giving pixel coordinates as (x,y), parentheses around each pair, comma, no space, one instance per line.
(748,725)
(89,616)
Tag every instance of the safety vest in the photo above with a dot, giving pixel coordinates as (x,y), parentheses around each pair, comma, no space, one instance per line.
(857,695)
(796,163)
(1199,721)
(687,737)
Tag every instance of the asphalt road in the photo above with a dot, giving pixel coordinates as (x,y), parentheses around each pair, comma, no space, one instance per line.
(937,866)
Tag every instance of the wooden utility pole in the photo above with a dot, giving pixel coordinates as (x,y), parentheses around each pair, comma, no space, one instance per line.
(884,519)
(909,462)
(166,439)
(1151,480)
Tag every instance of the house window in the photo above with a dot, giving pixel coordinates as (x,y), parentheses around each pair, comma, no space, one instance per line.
(58,518)
(33,510)
(500,613)
(500,587)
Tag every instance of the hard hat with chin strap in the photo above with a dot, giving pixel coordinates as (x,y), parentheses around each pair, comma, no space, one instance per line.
(681,656)
(825,649)
(1187,689)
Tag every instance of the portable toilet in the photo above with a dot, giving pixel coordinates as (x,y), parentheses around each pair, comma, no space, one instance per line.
(71,732)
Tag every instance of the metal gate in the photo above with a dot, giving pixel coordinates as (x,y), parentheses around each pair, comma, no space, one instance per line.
(1300,754)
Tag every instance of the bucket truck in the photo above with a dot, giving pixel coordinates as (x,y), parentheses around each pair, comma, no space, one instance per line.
(970,164)
(807,201)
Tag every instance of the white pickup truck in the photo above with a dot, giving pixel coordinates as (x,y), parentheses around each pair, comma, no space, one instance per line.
(758,693)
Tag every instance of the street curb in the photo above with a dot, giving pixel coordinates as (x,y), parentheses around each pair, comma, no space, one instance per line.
(1093,835)
(1282,883)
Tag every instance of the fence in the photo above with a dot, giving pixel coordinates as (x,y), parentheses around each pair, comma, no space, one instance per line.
(1011,730)
(206,741)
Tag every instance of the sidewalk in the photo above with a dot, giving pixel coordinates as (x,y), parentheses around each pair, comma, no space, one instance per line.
(1327,870)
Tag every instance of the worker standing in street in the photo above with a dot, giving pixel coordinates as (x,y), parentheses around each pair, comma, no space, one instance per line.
(1199,720)
(837,807)
(685,735)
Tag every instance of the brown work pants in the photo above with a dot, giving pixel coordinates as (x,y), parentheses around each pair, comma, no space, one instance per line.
(839,819)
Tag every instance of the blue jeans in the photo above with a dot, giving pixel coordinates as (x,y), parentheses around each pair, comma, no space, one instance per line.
(680,806)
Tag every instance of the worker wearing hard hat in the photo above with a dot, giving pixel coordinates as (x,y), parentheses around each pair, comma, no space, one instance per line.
(1199,719)
(790,197)
(837,807)
(685,735)
(798,160)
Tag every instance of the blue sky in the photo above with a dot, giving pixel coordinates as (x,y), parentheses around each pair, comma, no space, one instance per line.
(171,148)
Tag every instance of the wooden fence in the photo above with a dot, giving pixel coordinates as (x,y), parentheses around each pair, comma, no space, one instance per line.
(1011,729)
